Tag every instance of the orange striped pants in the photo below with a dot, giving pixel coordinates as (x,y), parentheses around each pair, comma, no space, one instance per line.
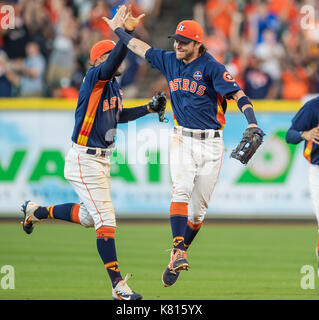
(89,176)
(195,166)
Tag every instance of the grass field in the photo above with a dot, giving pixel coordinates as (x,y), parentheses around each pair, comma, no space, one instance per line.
(228,261)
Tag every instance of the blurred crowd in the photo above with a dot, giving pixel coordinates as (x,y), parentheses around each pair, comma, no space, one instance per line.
(47,52)
(271,47)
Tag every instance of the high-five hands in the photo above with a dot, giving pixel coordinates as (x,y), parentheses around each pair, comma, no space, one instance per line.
(124,19)
(132,22)
(118,20)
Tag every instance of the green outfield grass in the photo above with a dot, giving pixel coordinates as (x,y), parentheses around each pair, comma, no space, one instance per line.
(228,261)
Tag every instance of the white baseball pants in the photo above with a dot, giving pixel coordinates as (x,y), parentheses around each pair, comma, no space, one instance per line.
(195,166)
(90,177)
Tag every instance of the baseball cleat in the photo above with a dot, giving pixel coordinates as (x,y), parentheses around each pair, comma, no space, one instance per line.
(123,292)
(178,260)
(28,209)
(169,277)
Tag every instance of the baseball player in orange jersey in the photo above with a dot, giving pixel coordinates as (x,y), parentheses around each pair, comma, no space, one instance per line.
(199,86)
(87,164)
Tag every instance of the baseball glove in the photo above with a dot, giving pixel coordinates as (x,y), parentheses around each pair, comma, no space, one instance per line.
(158,104)
(252,139)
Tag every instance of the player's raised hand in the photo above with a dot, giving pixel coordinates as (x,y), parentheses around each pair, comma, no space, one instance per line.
(118,19)
(312,135)
(132,22)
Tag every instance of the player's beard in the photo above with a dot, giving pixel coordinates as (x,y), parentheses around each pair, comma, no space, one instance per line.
(186,56)
(189,55)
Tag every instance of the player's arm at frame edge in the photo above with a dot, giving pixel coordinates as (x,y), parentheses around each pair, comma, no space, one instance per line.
(245,106)
(137,46)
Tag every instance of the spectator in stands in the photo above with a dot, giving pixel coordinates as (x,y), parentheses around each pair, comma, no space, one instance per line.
(55,9)
(152,9)
(64,90)
(185,9)
(199,12)
(15,40)
(8,78)
(295,81)
(285,10)
(78,74)
(38,26)
(96,23)
(87,38)
(248,26)
(315,78)
(83,9)
(271,54)
(219,15)
(235,66)
(31,69)
(62,56)
(257,84)
(216,44)
(312,64)
(261,20)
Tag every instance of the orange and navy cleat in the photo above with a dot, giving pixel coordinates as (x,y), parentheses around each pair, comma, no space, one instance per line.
(177,263)
(28,209)
(169,277)
(123,292)
(178,260)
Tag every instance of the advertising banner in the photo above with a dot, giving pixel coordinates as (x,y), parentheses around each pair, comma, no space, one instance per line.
(33,145)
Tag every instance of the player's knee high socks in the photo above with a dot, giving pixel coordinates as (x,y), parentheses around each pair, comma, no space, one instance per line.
(190,233)
(66,212)
(178,220)
(106,248)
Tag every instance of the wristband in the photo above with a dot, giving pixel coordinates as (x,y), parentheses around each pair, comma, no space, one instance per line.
(250,115)
(293,136)
(242,102)
(124,37)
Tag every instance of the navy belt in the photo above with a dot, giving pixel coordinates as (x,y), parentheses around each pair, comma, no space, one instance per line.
(198,135)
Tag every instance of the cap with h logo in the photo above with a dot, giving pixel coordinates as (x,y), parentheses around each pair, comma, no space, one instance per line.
(187,31)
(100,48)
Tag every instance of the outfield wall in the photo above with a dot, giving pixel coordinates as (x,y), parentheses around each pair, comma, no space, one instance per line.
(35,136)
